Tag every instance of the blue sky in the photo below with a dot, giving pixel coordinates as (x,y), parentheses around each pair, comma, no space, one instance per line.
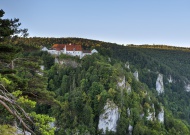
(122,21)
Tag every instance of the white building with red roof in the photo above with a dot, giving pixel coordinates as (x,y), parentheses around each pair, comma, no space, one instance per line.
(69,49)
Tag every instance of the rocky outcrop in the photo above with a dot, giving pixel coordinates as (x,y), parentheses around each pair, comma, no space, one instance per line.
(128,112)
(141,115)
(56,61)
(108,119)
(130,129)
(21,132)
(160,84)
(127,65)
(170,80)
(187,87)
(52,124)
(161,116)
(109,59)
(42,67)
(122,84)
(151,115)
(136,75)
(66,62)
(128,87)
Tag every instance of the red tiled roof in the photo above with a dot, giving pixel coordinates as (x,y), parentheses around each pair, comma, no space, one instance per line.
(74,48)
(71,47)
(58,47)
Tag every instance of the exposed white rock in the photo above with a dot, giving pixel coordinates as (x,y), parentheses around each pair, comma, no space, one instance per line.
(187,87)
(128,87)
(161,116)
(44,49)
(42,67)
(21,132)
(127,65)
(136,75)
(56,60)
(130,129)
(151,116)
(109,59)
(153,106)
(66,62)
(128,112)
(121,82)
(108,119)
(160,84)
(142,115)
(170,80)
(146,93)
(52,124)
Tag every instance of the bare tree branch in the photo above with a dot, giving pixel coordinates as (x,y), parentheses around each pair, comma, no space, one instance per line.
(11,107)
(16,115)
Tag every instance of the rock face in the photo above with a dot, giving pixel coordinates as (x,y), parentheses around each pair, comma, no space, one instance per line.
(161,116)
(108,120)
(56,60)
(122,84)
(130,129)
(20,132)
(66,62)
(170,80)
(42,67)
(136,75)
(127,65)
(187,87)
(159,84)
(151,115)
(109,59)
(52,124)
(128,112)
(128,87)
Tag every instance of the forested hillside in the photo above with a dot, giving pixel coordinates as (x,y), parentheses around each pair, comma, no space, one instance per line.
(112,92)
(134,90)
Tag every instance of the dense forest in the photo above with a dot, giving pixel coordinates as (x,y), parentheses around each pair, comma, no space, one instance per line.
(112,92)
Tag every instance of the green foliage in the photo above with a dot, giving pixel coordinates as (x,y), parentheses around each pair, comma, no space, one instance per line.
(21,82)
(7,130)
(9,27)
(83,91)
(4,81)
(42,123)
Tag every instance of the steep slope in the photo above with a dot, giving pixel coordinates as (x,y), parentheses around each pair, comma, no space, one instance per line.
(102,96)
(145,88)
(172,64)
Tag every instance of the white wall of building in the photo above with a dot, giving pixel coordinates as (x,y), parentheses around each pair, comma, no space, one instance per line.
(54,52)
(80,54)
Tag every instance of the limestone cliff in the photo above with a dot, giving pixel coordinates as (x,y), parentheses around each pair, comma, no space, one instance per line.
(108,119)
(160,84)
(136,75)
(161,116)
